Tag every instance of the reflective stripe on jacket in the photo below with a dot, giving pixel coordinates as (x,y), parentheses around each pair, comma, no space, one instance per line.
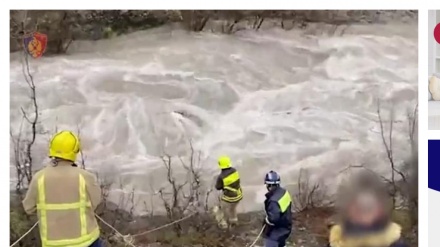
(229,182)
(65,198)
(284,202)
(278,205)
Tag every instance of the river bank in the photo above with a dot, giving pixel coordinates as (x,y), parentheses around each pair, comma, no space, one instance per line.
(310,229)
(65,26)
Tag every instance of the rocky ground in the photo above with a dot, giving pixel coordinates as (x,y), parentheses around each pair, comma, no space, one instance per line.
(310,229)
(62,27)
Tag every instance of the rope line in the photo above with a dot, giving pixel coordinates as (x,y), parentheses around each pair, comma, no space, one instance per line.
(129,238)
(24,235)
(258,237)
(166,225)
(124,237)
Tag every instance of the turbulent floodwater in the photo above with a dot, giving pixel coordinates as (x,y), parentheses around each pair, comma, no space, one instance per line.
(271,99)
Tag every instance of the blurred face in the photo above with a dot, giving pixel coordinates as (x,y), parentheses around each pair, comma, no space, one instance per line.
(270,187)
(365,210)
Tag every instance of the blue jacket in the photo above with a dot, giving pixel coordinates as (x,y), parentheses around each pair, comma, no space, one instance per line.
(278,205)
(386,234)
(399,243)
(97,243)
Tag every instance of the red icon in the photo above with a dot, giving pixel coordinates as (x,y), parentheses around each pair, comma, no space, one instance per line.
(35,44)
(437,33)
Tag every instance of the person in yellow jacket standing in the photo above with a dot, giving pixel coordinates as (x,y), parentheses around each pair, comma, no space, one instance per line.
(229,182)
(65,197)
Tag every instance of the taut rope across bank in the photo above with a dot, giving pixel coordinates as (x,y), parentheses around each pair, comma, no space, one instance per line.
(126,238)
(166,225)
(24,235)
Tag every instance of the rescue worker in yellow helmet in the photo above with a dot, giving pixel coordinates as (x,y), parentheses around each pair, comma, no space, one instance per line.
(65,197)
(229,182)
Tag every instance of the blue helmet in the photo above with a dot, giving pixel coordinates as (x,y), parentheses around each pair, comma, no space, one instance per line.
(272,178)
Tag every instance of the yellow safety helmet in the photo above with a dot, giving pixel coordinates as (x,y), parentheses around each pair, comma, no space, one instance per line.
(64,145)
(224,162)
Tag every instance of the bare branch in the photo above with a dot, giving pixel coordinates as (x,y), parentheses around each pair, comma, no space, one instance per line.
(308,196)
(23,154)
(83,157)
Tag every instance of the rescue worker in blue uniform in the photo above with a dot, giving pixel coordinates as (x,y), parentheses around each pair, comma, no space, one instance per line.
(278,205)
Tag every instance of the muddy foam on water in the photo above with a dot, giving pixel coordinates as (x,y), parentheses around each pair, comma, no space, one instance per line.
(271,99)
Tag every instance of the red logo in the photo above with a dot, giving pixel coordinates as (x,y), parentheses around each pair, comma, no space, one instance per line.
(35,44)
(437,33)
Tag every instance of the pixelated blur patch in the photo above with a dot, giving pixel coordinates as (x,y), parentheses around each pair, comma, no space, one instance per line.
(437,33)
(35,44)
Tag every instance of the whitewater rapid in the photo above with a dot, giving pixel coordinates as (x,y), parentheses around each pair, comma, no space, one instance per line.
(271,99)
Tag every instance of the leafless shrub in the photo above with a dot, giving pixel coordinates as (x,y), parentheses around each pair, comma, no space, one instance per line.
(308,195)
(411,191)
(400,181)
(228,26)
(81,153)
(387,141)
(233,17)
(118,213)
(194,20)
(402,185)
(123,208)
(105,188)
(24,140)
(180,195)
(259,19)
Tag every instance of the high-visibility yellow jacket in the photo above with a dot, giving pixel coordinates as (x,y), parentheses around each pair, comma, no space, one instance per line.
(65,198)
(229,182)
